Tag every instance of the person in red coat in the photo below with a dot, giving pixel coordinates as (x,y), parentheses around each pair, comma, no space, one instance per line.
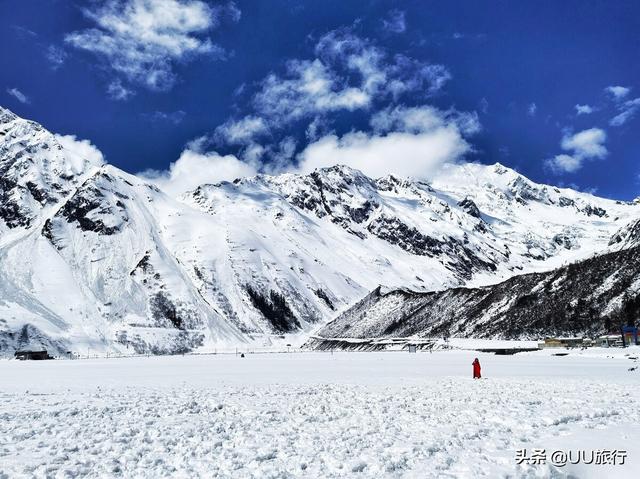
(476,369)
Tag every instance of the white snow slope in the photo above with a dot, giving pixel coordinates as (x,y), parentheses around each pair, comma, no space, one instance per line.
(93,257)
(318,415)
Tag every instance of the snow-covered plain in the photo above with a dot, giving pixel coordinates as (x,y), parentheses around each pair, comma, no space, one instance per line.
(317,415)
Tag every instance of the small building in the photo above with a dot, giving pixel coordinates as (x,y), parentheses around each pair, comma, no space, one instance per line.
(32,355)
(610,341)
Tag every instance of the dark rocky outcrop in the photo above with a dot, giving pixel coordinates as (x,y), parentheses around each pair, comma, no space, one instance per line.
(275,309)
(590,297)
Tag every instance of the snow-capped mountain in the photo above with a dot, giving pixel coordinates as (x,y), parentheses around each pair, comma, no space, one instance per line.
(590,297)
(626,237)
(93,257)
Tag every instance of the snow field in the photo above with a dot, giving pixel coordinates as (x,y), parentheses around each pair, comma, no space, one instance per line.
(314,415)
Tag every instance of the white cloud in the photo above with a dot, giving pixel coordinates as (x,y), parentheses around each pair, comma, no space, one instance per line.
(532,109)
(253,153)
(193,169)
(141,39)
(587,143)
(618,92)
(281,156)
(243,131)
(311,88)
(317,128)
(408,75)
(422,119)
(584,109)
(117,91)
(584,145)
(56,56)
(348,73)
(564,164)
(628,110)
(403,154)
(395,22)
(18,95)
(77,152)
(422,141)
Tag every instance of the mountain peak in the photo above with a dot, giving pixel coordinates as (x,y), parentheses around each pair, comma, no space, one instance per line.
(37,169)
(340,169)
(6,115)
(500,169)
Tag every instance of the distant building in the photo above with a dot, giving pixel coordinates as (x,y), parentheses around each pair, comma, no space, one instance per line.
(610,341)
(32,355)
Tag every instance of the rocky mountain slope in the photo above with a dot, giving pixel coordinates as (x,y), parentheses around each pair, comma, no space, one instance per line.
(589,297)
(93,257)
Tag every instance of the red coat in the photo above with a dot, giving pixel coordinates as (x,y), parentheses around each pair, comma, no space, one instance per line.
(476,369)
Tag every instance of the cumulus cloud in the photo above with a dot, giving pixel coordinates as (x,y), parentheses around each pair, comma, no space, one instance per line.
(412,142)
(422,119)
(532,109)
(395,22)
(241,132)
(309,88)
(78,152)
(628,110)
(348,73)
(565,163)
(18,95)
(142,39)
(403,154)
(584,145)
(193,169)
(408,75)
(618,92)
(584,109)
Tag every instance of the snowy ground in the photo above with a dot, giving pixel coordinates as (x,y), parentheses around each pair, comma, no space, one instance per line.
(317,415)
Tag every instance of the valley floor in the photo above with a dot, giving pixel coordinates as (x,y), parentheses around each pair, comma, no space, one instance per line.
(317,415)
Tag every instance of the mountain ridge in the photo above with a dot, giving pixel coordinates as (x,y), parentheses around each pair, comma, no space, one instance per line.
(108,261)
(594,296)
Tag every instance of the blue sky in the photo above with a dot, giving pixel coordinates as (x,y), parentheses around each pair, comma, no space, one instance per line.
(190,91)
